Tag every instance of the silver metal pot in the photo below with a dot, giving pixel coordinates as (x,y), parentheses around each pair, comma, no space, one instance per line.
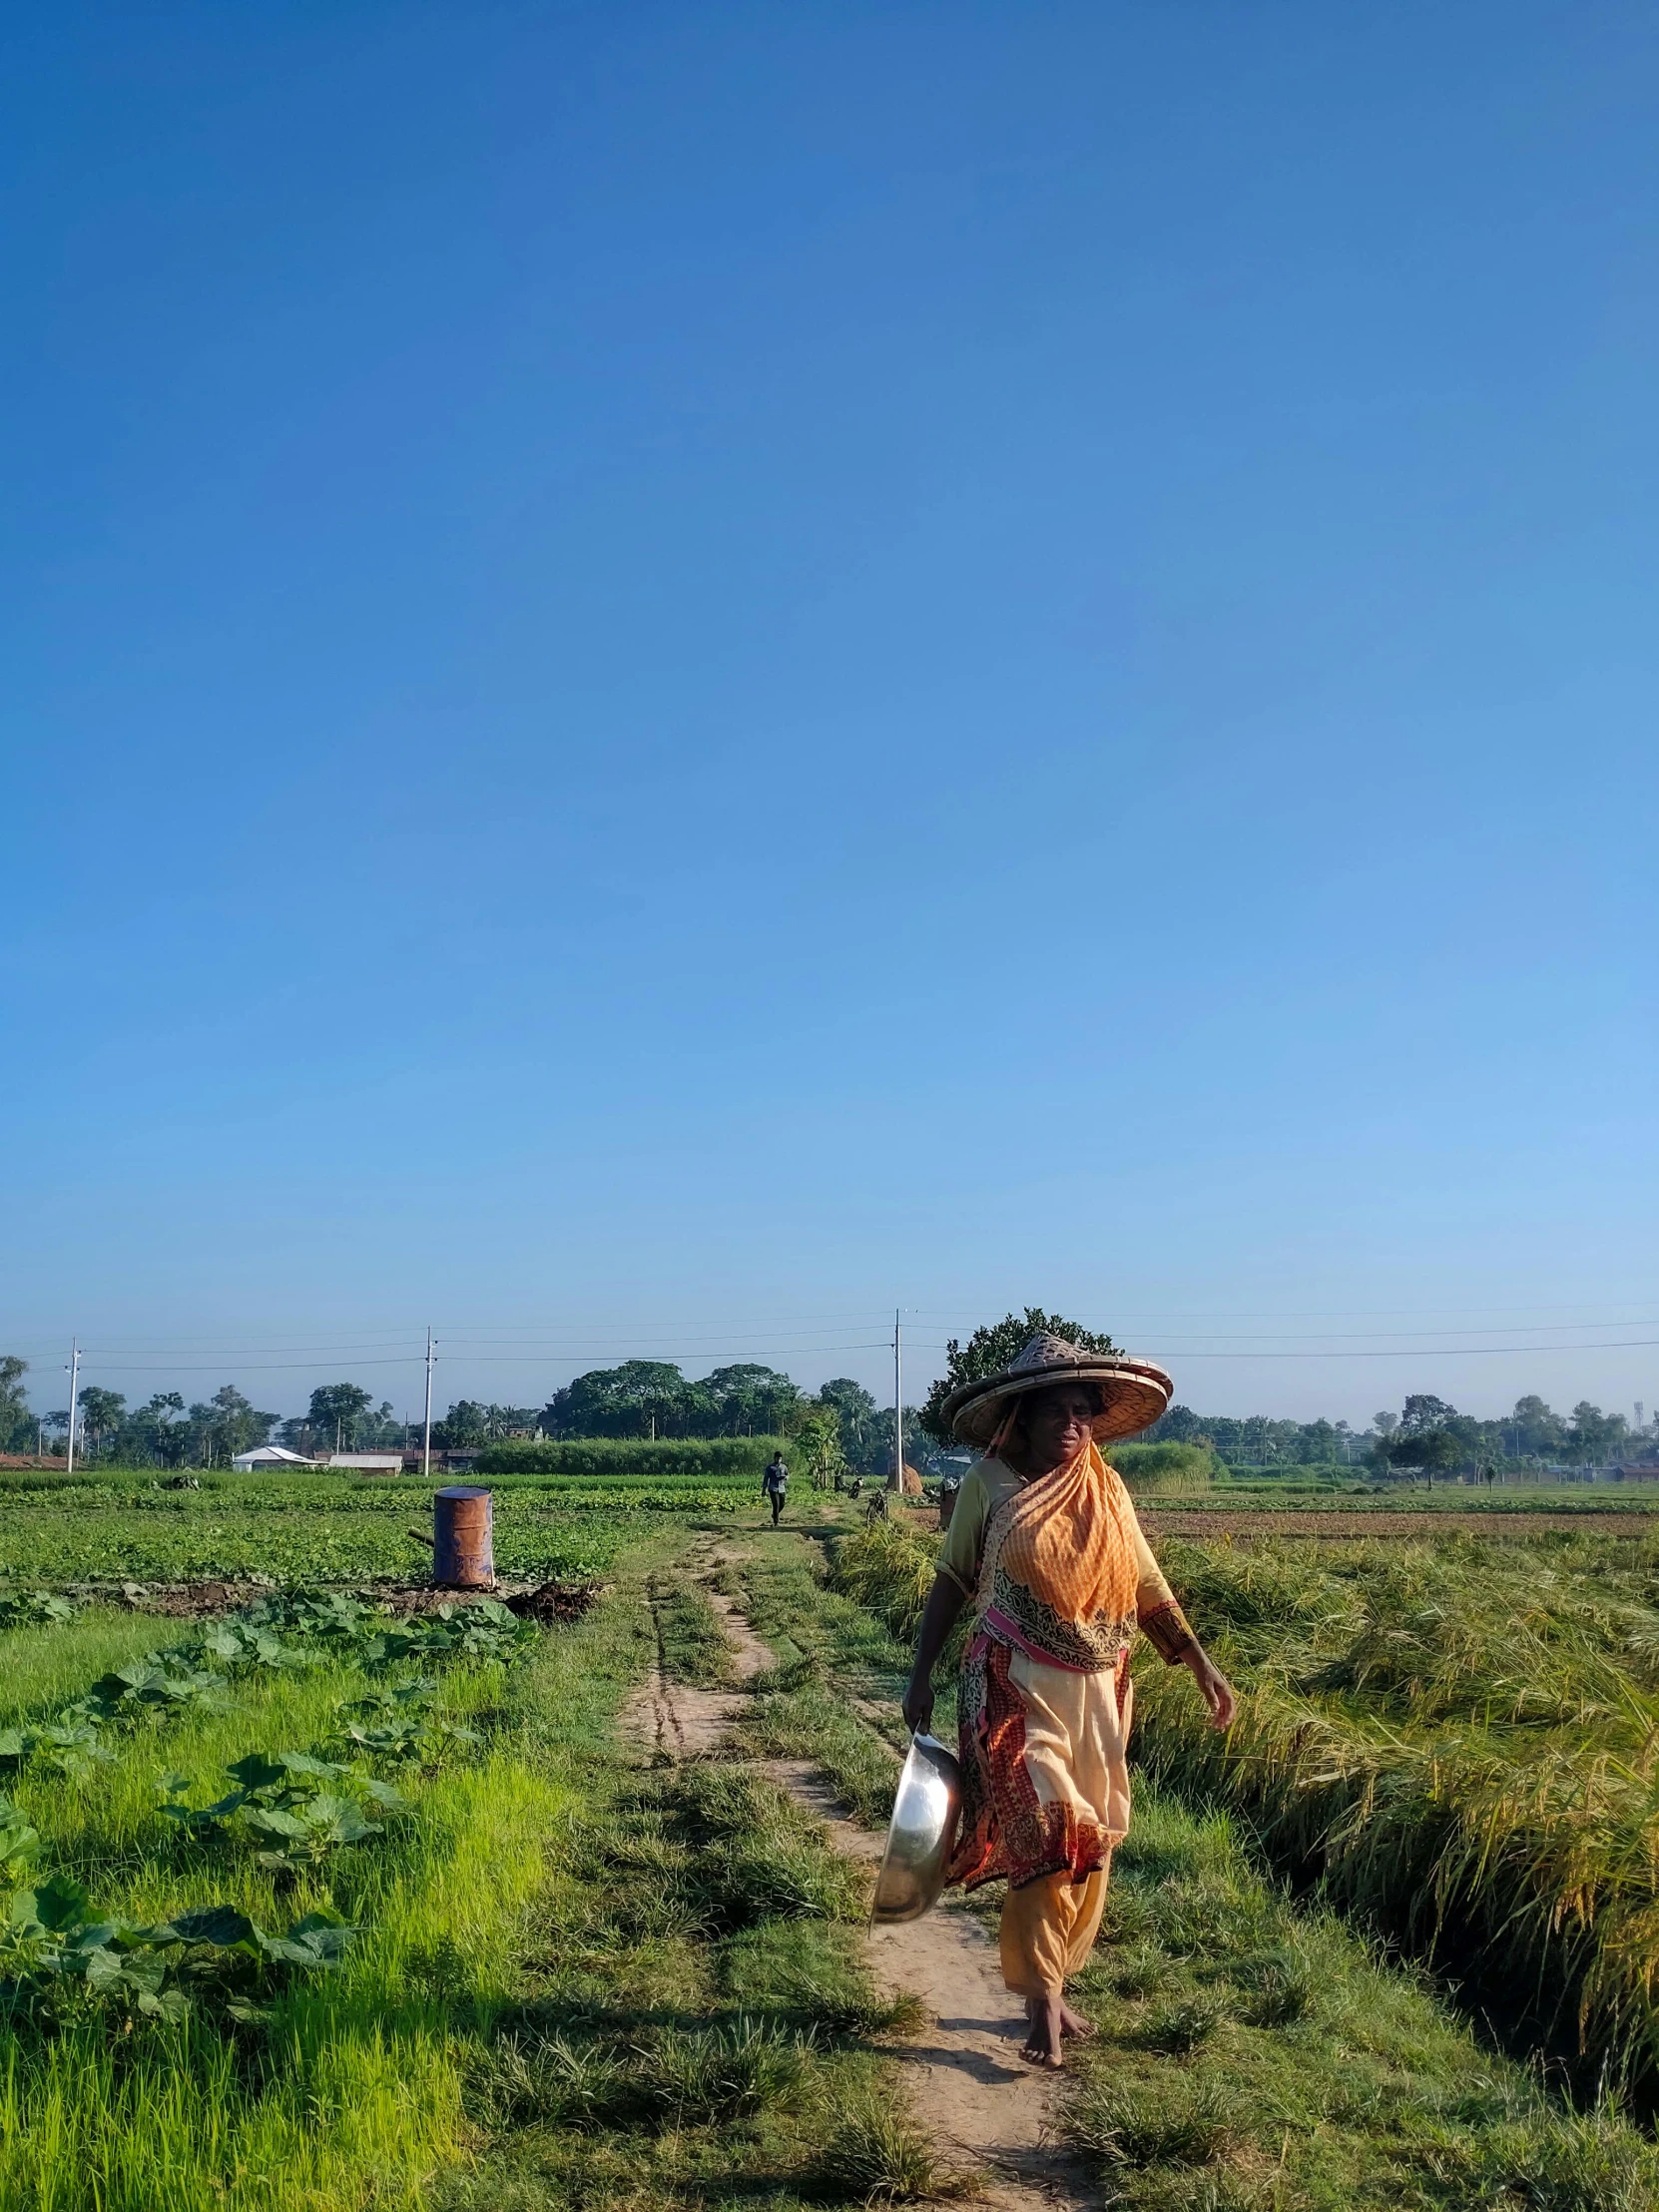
(925,1810)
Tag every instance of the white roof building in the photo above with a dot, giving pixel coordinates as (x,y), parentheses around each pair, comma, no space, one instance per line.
(270,1455)
(370,1462)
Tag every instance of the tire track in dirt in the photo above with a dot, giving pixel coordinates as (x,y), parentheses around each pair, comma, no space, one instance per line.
(970,2088)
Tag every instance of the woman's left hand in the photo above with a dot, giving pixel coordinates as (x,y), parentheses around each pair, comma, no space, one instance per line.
(1214,1688)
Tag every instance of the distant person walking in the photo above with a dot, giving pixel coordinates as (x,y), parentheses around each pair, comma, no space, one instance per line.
(775,1483)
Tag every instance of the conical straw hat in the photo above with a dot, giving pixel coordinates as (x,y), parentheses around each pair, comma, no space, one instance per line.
(1133,1393)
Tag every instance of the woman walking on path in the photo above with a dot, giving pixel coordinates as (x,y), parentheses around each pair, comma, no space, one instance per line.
(1044,1544)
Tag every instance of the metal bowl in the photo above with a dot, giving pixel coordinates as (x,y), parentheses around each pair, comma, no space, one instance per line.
(925,1810)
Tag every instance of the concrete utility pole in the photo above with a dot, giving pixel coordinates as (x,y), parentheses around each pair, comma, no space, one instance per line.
(74,1393)
(426,1452)
(898,1483)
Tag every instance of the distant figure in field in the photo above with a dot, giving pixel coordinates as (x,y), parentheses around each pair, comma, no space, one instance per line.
(775,1483)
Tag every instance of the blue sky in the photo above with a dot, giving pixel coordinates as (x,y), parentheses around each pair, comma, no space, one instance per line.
(679,674)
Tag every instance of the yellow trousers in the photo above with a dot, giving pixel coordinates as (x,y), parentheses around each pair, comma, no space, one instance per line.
(1049,1932)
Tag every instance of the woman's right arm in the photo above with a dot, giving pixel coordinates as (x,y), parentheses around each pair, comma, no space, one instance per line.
(939,1616)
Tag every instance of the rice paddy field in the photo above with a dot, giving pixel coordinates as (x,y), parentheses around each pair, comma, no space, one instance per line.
(316,1906)
(1452,1738)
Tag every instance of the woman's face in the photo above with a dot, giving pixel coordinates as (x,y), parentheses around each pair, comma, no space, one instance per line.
(1058,1424)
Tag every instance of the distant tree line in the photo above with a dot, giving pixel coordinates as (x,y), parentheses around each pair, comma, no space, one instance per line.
(164,1431)
(841,1424)
(838,1426)
(1426,1437)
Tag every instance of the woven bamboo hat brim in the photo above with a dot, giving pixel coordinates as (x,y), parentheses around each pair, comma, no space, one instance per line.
(1133,1393)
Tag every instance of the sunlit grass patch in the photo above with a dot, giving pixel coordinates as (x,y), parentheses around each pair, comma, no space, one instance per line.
(690,1637)
(44,1668)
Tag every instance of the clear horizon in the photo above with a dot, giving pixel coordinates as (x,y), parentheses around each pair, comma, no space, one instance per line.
(680,676)
(498,1368)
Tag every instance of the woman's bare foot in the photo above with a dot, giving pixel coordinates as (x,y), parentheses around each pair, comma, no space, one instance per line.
(1043,2045)
(1073,2025)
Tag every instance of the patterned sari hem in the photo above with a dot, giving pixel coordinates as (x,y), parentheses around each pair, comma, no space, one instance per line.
(1006,1831)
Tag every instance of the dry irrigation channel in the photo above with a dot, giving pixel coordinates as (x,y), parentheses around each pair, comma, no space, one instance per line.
(316,1906)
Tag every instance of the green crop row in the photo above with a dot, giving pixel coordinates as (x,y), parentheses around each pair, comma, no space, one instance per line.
(705,1459)
(533,1542)
(66,1960)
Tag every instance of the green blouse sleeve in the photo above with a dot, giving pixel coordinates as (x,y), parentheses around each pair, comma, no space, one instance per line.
(964,1539)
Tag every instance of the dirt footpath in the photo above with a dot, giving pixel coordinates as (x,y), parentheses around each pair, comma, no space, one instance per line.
(969,2086)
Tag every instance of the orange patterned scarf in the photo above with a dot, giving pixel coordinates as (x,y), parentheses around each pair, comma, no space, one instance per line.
(1060,1572)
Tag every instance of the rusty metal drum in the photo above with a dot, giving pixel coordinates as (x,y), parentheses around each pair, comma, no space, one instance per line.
(463,1556)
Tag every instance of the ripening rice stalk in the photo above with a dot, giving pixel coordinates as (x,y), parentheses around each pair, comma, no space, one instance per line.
(891,1571)
(1461,1743)
(1464,1749)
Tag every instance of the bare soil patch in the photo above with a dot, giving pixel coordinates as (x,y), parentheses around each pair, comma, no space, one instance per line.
(547,1602)
(177,1600)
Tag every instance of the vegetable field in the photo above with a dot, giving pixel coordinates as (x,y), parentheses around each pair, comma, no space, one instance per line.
(115,1527)
(311,1906)
(245,1863)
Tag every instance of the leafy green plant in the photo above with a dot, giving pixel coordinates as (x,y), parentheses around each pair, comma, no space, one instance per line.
(34,1608)
(482,1631)
(245,1644)
(70,1746)
(298,1808)
(147,1689)
(321,1616)
(19,1844)
(56,1955)
(399,1725)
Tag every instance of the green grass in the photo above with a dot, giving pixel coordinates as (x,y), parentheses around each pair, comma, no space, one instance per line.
(832,1695)
(579,1978)
(356,2076)
(1253,2054)
(42,1669)
(691,1644)
(695,2025)
(588,1979)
